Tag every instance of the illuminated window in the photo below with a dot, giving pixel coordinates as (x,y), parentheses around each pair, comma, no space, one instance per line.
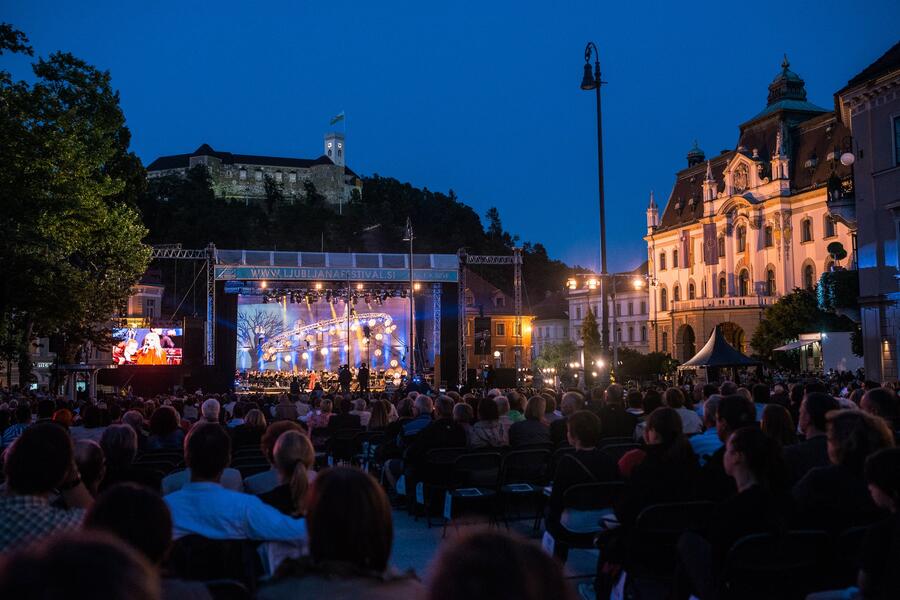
(500,329)
(278,176)
(292,177)
(243,174)
(259,174)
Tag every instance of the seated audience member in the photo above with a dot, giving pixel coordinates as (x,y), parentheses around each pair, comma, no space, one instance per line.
(734,412)
(64,417)
(778,425)
(812,452)
(209,411)
(294,459)
(251,431)
(135,420)
(503,412)
(634,402)
(706,443)
(119,444)
(267,480)
(836,497)
(568,405)
(285,410)
(78,565)
(690,420)
(190,411)
(39,462)
(318,419)
(588,464)
(617,422)
(652,400)
(91,464)
(442,432)
(728,388)
(139,517)
(516,406)
(237,415)
(753,460)
(878,577)
(493,565)
(91,426)
(488,431)
(205,508)
(550,412)
(22,421)
(165,431)
(664,470)
(533,429)
(345,419)
(359,409)
(379,417)
(761,399)
(882,402)
(465,416)
(350,537)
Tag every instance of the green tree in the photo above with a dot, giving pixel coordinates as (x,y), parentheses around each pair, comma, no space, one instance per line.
(72,244)
(556,355)
(590,334)
(793,314)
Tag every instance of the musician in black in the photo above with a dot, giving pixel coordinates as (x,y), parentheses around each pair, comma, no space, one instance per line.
(362,377)
(344,378)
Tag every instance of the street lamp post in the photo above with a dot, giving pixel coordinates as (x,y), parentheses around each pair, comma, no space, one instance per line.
(412,301)
(592,81)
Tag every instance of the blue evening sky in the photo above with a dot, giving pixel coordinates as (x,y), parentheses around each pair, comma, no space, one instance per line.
(481,97)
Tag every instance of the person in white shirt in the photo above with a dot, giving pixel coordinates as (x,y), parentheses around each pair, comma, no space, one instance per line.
(690,421)
(203,507)
(359,408)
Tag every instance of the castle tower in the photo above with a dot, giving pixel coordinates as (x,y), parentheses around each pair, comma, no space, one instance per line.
(652,215)
(334,148)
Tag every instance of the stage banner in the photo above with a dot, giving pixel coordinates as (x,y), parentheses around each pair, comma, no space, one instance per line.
(710,245)
(334,274)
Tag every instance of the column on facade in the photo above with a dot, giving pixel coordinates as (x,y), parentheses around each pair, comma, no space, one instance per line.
(729,261)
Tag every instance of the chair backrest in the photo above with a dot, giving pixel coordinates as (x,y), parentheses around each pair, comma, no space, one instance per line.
(526,466)
(557,456)
(227,589)
(198,558)
(675,517)
(615,441)
(617,451)
(776,566)
(443,456)
(480,469)
(848,548)
(593,496)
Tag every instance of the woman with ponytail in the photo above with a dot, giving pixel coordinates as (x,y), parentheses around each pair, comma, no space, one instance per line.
(294,457)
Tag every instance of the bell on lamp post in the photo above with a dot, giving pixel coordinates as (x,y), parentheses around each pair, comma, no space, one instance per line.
(588,82)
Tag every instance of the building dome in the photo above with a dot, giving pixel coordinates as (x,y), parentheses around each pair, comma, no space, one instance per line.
(787,85)
(695,155)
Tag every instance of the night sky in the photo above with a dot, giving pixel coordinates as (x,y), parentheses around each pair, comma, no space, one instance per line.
(481,97)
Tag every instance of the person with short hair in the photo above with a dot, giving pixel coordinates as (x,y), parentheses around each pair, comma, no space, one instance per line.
(165,430)
(734,412)
(204,507)
(812,452)
(485,565)
(39,462)
(135,420)
(22,416)
(345,419)
(91,464)
(350,537)
(836,497)
(878,577)
(690,420)
(882,402)
(78,565)
(705,444)
(209,410)
(359,409)
(617,422)
(261,483)
(778,425)
(488,431)
(533,430)
(568,405)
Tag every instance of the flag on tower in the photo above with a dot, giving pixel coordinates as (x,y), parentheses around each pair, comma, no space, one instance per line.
(337,118)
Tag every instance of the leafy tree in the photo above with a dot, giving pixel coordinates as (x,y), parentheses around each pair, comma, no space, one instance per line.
(634,365)
(793,314)
(71,248)
(590,334)
(556,355)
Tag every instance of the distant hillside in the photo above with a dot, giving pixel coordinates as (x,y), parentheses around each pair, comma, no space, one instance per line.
(186,211)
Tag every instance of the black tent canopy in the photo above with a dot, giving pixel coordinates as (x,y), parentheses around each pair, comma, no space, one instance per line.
(717,352)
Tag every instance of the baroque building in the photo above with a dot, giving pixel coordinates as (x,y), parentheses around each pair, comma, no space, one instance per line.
(243,176)
(748,225)
(870,105)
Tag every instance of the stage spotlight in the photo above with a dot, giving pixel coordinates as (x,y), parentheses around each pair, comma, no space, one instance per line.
(324,351)
(263,284)
(359,286)
(287,358)
(388,321)
(378,352)
(394,363)
(346,347)
(371,322)
(305,356)
(379,337)
(318,286)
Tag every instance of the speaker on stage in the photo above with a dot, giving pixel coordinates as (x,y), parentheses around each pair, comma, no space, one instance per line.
(502,378)
(194,341)
(471,378)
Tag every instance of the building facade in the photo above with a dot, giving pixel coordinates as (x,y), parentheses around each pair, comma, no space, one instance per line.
(870,105)
(243,176)
(628,306)
(742,228)
(550,324)
(490,326)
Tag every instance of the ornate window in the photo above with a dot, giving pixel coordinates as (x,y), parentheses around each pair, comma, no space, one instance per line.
(470,298)
(770,282)
(692,291)
(676,293)
(663,299)
(744,283)
(662,261)
(675,264)
(829,226)
(741,236)
(806,230)
(665,341)
(723,287)
(809,277)
(721,245)
(769,236)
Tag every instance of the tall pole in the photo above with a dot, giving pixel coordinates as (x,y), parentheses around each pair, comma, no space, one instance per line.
(412,303)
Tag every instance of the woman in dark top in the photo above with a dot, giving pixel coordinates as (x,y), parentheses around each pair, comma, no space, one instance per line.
(164,430)
(754,461)
(664,470)
(836,497)
(778,424)
(588,464)
(533,430)
(294,457)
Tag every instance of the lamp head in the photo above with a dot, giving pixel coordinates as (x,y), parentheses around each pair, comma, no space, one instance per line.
(588,82)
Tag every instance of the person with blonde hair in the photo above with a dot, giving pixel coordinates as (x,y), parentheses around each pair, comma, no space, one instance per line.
(294,457)
(255,419)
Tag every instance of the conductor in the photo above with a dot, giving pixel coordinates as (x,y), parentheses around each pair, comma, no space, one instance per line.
(362,377)
(344,378)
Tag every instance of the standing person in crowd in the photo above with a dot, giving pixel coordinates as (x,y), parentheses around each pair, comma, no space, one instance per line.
(164,430)
(690,420)
(39,462)
(812,452)
(836,497)
(568,405)
(267,480)
(350,537)
(706,443)
(294,459)
(778,425)
(362,378)
(488,431)
(204,507)
(617,422)
(140,518)
(533,430)
(493,565)
(753,460)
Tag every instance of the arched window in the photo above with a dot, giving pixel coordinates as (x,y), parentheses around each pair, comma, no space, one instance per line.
(720,243)
(829,226)
(643,333)
(675,264)
(662,261)
(703,288)
(741,238)
(770,282)
(769,236)
(470,298)
(744,283)
(692,291)
(806,230)
(663,299)
(665,341)
(809,277)
(676,293)
(723,287)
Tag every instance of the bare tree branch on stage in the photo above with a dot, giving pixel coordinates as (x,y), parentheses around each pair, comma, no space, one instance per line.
(256,325)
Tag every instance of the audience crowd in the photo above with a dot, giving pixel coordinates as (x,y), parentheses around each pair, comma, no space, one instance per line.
(294,496)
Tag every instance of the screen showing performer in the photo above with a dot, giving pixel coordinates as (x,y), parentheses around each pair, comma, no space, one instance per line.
(153,346)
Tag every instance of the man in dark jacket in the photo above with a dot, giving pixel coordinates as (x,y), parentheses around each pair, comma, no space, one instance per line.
(344,378)
(570,403)
(615,420)
(443,432)
(362,377)
(801,458)
(344,420)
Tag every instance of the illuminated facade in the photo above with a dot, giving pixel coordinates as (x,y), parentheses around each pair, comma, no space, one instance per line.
(747,225)
(485,301)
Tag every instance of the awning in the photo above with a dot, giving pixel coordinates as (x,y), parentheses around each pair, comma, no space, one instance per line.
(795,345)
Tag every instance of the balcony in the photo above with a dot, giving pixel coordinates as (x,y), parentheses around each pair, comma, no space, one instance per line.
(726,302)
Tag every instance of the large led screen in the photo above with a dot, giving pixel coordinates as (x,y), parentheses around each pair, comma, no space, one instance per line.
(153,346)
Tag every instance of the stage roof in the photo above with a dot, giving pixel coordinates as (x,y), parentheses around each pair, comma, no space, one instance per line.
(719,353)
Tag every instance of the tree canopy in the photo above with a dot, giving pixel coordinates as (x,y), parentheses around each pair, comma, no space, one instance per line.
(72,245)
